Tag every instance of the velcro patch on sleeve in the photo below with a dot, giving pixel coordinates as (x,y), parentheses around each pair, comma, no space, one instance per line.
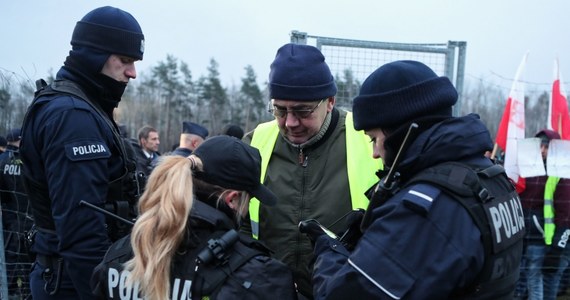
(420,197)
(87,150)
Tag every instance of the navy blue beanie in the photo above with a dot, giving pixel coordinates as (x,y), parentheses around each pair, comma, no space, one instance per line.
(109,30)
(299,72)
(399,92)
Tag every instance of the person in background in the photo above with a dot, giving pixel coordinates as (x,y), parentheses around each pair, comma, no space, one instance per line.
(313,160)
(16,218)
(233,130)
(123,131)
(72,153)
(192,136)
(147,150)
(420,234)
(546,205)
(159,259)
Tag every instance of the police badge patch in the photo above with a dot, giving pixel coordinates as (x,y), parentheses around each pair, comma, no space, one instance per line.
(87,150)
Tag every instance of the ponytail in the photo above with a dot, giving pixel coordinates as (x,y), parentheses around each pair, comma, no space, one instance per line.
(160,227)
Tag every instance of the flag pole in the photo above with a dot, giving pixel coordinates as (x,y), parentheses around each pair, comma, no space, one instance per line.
(495,148)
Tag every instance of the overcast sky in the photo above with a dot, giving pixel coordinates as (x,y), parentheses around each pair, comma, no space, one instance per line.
(35,34)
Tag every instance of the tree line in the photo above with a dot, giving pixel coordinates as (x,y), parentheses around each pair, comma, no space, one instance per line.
(169,95)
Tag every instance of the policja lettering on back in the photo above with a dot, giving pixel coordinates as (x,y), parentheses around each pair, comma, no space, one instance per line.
(121,284)
(507,218)
(12,169)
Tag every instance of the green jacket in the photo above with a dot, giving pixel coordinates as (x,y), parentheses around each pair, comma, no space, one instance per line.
(319,190)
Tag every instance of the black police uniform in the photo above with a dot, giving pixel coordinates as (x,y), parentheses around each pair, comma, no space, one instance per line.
(71,152)
(16,221)
(260,277)
(422,242)
(181,152)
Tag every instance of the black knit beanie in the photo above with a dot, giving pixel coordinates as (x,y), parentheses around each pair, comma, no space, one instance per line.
(401,91)
(110,30)
(299,72)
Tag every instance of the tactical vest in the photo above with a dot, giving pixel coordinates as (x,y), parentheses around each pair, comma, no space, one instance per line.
(494,206)
(357,148)
(123,191)
(190,279)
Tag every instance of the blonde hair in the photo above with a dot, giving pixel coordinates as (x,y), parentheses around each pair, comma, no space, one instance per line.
(160,227)
(163,215)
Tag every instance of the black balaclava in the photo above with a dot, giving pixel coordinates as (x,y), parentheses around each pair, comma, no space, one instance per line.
(100,33)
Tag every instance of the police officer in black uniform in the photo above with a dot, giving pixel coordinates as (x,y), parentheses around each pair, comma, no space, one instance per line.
(16,217)
(187,247)
(72,151)
(445,222)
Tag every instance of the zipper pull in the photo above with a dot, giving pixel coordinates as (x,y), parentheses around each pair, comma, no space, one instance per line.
(306,162)
(303,160)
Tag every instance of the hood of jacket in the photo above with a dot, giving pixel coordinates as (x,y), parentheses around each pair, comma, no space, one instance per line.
(463,139)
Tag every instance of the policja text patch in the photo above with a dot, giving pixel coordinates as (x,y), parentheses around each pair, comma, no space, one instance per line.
(506,218)
(87,150)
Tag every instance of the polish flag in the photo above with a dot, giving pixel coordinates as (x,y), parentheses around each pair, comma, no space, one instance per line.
(558,117)
(512,128)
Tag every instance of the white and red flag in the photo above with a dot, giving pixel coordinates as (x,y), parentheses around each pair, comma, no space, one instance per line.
(511,128)
(558,117)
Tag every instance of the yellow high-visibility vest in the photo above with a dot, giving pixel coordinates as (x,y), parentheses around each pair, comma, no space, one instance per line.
(548,209)
(357,148)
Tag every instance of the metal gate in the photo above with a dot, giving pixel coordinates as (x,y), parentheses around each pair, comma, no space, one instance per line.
(351,61)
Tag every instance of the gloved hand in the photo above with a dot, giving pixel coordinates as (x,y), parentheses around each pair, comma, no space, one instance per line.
(551,261)
(352,234)
(312,228)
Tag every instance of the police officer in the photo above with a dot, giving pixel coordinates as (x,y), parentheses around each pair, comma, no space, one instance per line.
(72,151)
(16,217)
(191,137)
(440,229)
(185,247)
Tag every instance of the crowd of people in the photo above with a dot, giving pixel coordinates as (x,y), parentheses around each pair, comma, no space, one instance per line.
(395,199)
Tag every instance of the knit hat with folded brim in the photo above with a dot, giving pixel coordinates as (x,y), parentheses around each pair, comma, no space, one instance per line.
(399,92)
(300,73)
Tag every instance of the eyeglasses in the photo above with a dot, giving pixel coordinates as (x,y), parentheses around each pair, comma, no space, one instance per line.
(298,113)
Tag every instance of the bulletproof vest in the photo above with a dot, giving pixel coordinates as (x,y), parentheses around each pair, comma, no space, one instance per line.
(495,207)
(123,191)
(190,278)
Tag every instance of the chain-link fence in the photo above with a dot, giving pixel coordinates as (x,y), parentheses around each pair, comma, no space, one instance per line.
(16,220)
(351,61)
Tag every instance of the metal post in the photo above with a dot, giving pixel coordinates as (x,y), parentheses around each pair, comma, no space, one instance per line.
(298,37)
(460,73)
(3,277)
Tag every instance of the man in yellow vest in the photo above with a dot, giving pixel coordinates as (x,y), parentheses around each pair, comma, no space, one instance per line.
(546,205)
(312,159)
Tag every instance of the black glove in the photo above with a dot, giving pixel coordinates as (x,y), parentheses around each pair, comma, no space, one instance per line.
(353,233)
(312,228)
(551,261)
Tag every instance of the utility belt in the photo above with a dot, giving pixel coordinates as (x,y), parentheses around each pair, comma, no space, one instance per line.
(48,261)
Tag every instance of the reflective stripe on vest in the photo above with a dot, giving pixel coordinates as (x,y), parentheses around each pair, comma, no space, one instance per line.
(549,226)
(359,165)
